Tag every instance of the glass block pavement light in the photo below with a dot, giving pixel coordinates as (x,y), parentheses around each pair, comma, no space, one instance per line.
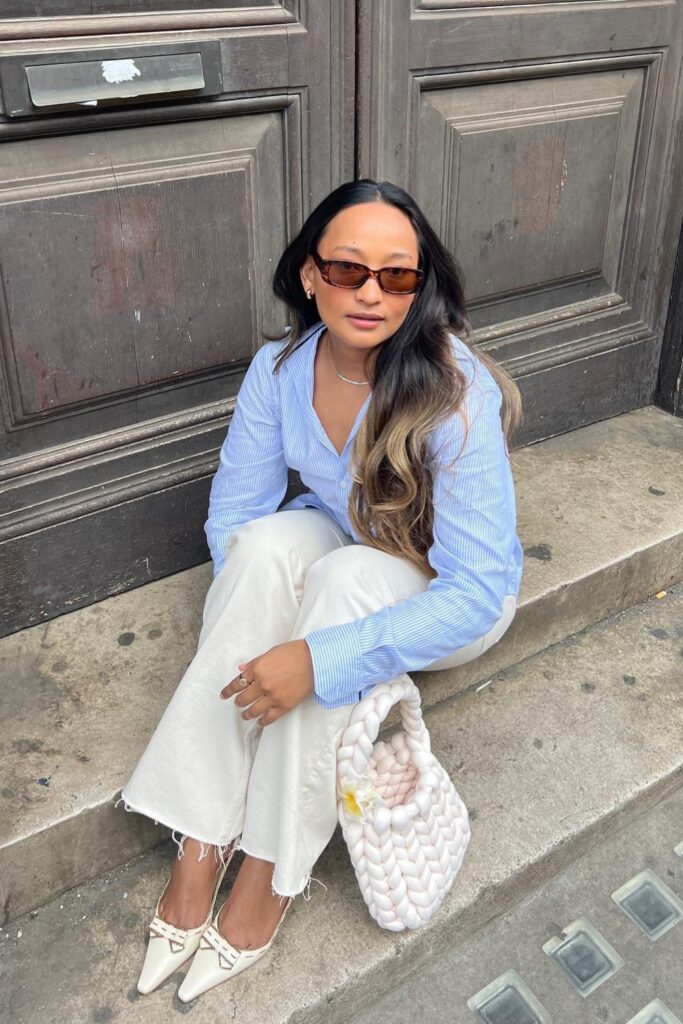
(650,903)
(655,1013)
(585,956)
(508,1000)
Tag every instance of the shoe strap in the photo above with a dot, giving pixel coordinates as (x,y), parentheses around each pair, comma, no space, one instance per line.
(176,937)
(227,954)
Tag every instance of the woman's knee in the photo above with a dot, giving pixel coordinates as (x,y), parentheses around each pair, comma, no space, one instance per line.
(268,530)
(479,646)
(360,566)
(503,624)
(295,538)
(279,531)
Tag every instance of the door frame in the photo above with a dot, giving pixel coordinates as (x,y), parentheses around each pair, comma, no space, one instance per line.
(669,394)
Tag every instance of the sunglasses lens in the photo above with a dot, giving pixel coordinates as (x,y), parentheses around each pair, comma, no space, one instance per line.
(347,275)
(398,279)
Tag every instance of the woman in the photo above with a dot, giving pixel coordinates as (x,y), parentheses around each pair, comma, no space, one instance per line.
(402,556)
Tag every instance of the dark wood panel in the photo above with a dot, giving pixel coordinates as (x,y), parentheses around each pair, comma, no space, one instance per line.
(161,228)
(156,283)
(572,394)
(68,481)
(531,191)
(82,560)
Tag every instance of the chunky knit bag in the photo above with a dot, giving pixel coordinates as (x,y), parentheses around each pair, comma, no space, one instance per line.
(404,824)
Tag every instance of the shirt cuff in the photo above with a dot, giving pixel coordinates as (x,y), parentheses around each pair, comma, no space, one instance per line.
(337,664)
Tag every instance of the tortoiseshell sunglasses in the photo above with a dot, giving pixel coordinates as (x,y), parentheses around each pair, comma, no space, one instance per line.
(343,274)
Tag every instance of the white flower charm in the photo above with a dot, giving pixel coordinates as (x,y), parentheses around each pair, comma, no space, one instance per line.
(359,799)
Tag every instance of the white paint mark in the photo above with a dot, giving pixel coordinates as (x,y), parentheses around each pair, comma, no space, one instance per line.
(563,178)
(137,316)
(116,71)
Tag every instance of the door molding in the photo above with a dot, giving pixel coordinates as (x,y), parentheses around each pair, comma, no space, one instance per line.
(119,24)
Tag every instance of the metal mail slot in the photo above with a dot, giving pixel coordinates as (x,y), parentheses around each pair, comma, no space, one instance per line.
(54,82)
(52,85)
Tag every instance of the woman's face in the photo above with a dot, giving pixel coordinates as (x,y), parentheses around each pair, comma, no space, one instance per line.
(378,235)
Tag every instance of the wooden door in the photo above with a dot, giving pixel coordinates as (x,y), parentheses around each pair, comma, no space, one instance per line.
(137,240)
(136,237)
(543,141)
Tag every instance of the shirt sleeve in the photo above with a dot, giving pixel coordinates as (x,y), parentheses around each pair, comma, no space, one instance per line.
(251,479)
(474,534)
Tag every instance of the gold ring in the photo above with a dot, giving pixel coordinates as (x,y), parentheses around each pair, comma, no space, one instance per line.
(243,682)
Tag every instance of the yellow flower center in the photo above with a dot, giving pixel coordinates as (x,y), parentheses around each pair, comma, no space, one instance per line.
(351,803)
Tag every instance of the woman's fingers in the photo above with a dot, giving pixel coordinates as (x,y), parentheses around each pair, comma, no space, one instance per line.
(232,687)
(258,708)
(258,704)
(236,686)
(270,716)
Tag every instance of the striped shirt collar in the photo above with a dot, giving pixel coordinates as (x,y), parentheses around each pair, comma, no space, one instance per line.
(300,365)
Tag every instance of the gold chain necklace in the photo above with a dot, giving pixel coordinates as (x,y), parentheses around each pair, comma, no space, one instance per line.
(360,383)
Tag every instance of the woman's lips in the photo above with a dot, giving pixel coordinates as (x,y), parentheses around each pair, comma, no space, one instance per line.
(364,322)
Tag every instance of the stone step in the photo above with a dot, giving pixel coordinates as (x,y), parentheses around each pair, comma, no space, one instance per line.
(553,757)
(601,521)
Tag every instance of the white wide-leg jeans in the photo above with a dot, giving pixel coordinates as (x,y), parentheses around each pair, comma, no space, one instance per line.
(210,774)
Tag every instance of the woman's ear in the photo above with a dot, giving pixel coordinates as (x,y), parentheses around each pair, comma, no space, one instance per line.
(306,274)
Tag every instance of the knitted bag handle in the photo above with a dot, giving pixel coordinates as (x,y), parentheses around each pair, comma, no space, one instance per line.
(358,739)
(404,824)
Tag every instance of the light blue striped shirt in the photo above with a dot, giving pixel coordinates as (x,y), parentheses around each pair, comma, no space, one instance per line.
(476,551)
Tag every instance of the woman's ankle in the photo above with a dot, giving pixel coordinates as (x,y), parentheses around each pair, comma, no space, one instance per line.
(187,898)
(199,852)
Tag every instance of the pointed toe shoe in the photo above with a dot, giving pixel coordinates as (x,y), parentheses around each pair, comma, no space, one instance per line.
(216,960)
(168,948)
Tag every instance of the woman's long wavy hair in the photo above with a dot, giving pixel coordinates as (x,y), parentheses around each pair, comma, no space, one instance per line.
(416,382)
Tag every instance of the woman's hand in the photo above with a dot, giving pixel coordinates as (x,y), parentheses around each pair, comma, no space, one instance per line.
(279,680)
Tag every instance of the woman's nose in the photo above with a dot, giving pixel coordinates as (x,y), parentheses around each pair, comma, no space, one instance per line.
(370,290)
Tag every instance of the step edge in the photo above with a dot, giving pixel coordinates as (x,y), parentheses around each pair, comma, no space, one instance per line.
(363,991)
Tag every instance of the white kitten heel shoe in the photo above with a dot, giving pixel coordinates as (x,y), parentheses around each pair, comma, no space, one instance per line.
(168,947)
(216,960)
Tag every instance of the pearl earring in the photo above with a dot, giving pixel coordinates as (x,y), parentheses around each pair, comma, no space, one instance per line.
(309,294)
